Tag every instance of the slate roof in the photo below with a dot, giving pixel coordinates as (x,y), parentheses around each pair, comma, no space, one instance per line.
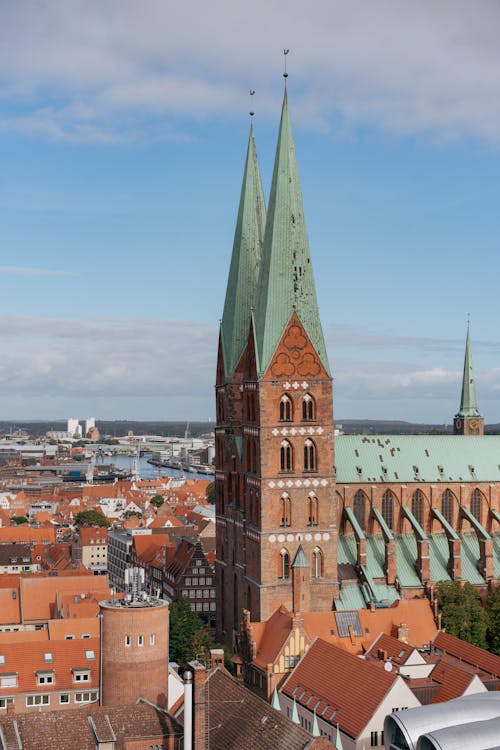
(240,719)
(439,458)
(67,730)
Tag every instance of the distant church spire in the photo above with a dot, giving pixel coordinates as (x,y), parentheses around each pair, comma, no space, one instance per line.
(468,420)
(245,260)
(286,281)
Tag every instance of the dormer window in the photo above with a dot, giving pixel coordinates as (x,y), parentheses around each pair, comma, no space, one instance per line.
(81,675)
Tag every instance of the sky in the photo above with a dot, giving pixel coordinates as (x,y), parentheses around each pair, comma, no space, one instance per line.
(123,133)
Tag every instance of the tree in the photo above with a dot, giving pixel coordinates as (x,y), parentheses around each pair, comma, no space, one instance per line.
(19,519)
(210,492)
(130,513)
(493,621)
(188,637)
(461,612)
(91,518)
(157,501)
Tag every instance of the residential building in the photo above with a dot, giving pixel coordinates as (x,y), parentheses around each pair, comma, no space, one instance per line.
(91,548)
(189,575)
(337,693)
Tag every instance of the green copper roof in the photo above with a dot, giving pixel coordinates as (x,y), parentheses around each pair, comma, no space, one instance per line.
(286,281)
(417,458)
(245,260)
(300,560)
(468,403)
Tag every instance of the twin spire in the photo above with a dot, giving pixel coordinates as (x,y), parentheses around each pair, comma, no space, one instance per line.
(468,402)
(271,273)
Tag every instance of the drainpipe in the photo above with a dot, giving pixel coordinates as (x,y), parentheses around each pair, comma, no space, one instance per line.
(100,659)
(188,710)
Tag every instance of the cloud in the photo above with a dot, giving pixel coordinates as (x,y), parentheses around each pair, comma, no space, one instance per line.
(21,271)
(103,71)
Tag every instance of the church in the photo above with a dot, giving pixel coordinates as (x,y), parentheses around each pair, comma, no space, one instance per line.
(306,519)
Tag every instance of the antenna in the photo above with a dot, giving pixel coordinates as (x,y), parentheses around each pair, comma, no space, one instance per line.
(285,53)
(252,93)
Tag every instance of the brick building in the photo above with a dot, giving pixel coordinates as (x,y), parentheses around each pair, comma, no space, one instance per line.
(302,519)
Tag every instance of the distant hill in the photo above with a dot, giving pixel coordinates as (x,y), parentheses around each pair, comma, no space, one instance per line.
(120,428)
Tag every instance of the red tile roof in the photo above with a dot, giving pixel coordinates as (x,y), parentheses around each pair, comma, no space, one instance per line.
(352,691)
(466,652)
(454,681)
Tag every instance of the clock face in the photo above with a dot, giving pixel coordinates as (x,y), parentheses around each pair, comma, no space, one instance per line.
(474,424)
(458,424)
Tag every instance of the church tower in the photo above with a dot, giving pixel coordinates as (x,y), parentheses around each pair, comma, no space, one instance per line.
(468,420)
(275,454)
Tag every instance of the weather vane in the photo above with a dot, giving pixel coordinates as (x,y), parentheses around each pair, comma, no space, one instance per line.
(252,93)
(285,53)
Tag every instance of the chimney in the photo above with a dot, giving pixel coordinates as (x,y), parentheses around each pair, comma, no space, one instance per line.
(216,658)
(199,705)
(188,710)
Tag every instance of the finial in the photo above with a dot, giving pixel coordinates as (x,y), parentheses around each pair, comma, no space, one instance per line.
(285,74)
(252,93)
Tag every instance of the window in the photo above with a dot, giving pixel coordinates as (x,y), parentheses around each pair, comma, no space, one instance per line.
(317,563)
(86,635)
(45,678)
(291,661)
(309,456)
(388,508)
(286,463)
(48,657)
(373,739)
(2,659)
(476,504)
(5,700)
(89,654)
(285,409)
(447,505)
(308,408)
(140,640)
(64,698)
(128,641)
(8,680)
(359,508)
(284,571)
(69,637)
(81,675)
(312,510)
(286,511)
(85,697)
(152,639)
(38,700)
(417,504)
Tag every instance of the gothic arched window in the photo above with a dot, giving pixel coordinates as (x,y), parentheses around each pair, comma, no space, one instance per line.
(286,510)
(359,505)
(317,563)
(476,502)
(286,462)
(284,569)
(310,463)
(312,510)
(286,409)
(447,505)
(388,508)
(417,506)
(308,408)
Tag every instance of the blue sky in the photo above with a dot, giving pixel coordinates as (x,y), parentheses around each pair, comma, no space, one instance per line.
(123,131)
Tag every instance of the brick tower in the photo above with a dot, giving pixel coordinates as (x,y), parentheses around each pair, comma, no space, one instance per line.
(468,420)
(274,436)
(134,650)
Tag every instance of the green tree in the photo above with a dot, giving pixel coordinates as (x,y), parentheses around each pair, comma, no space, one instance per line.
(493,621)
(210,492)
(188,637)
(19,519)
(157,501)
(91,518)
(461,612)
(130,513)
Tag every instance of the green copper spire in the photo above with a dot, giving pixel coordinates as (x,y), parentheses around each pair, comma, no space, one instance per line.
(245,260)
(286,281)
(468,403)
